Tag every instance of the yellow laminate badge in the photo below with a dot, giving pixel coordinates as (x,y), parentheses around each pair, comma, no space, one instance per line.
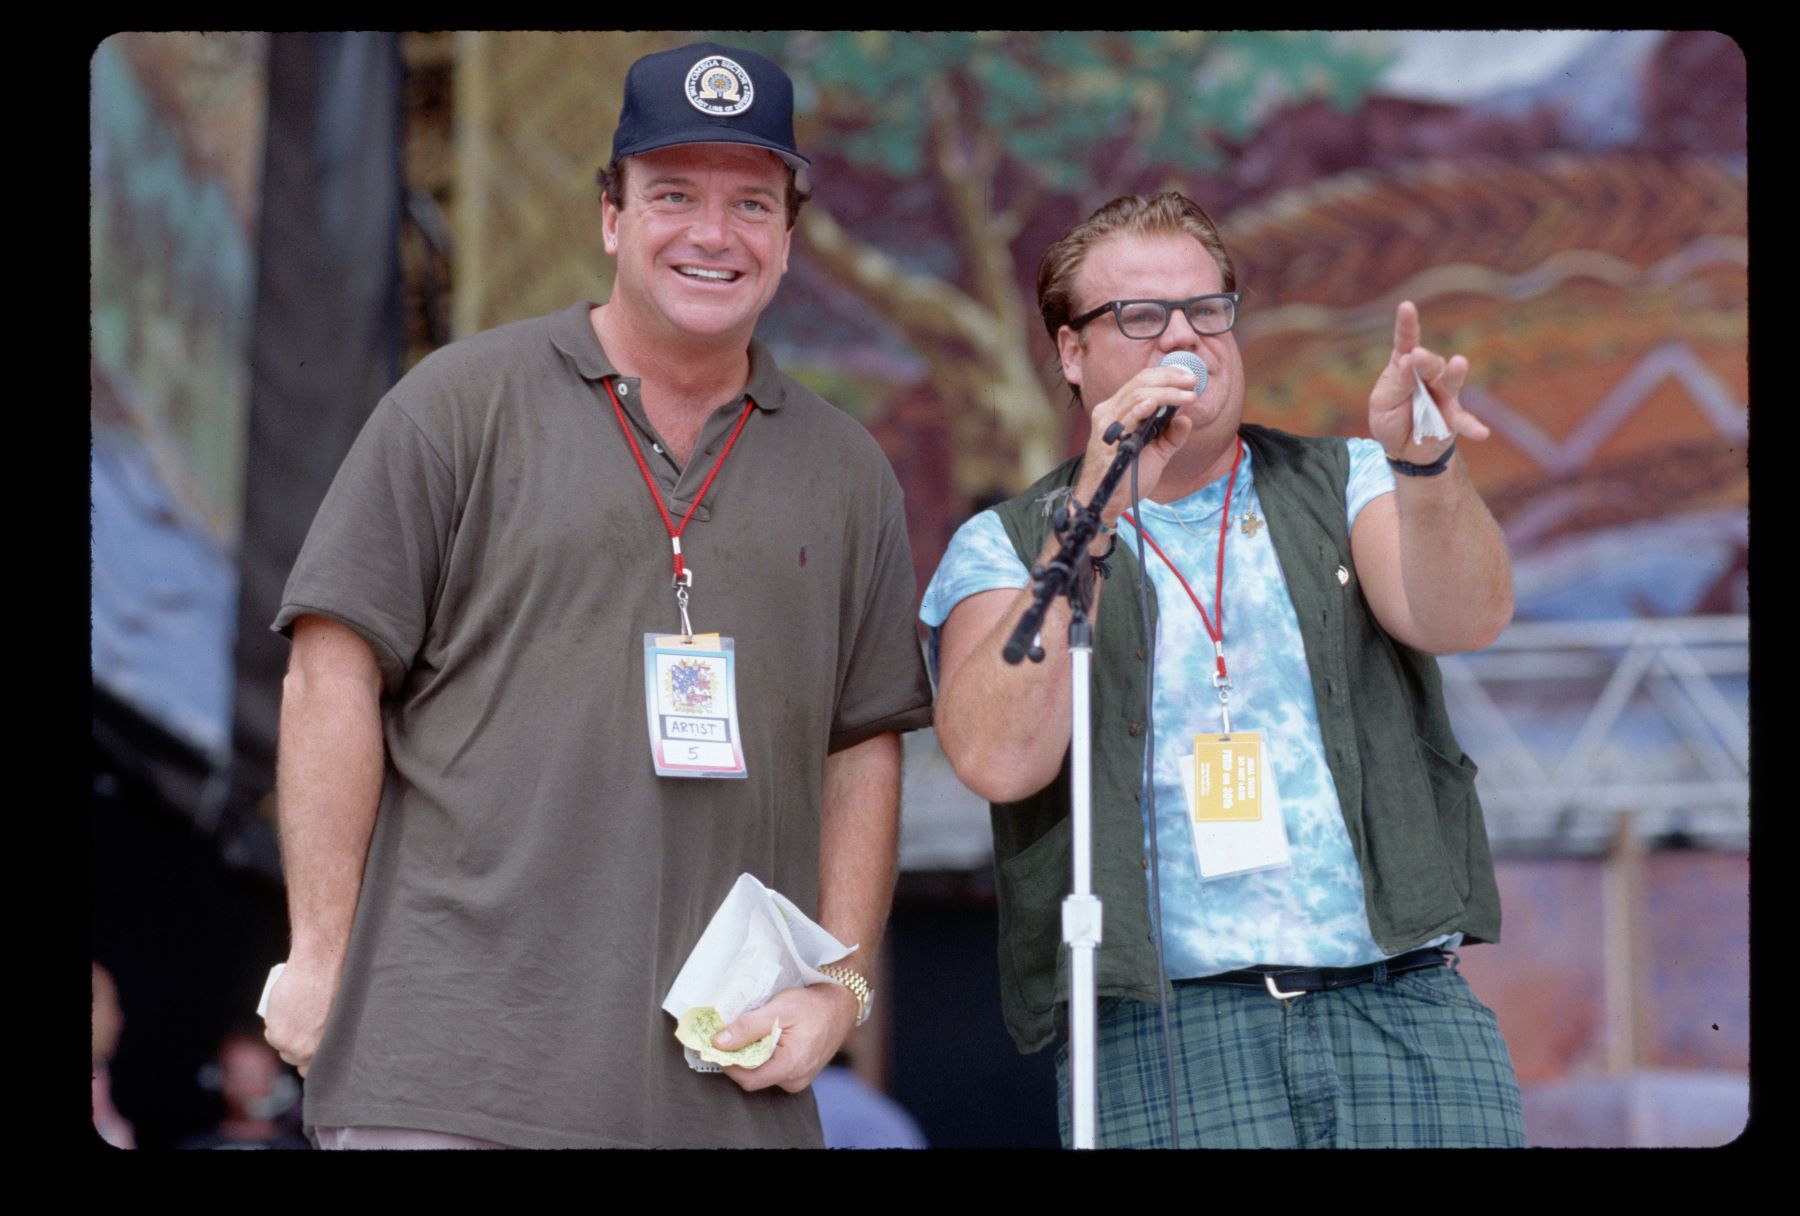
(1228,778)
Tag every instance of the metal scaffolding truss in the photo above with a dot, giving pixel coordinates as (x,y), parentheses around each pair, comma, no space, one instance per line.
(1575,721)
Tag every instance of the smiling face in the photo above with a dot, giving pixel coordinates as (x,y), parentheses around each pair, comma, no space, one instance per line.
(701,242)
(1153,266)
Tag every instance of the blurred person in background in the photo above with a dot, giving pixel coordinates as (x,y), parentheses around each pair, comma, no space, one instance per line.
(259,1094)
(108,1023)
(854,1114)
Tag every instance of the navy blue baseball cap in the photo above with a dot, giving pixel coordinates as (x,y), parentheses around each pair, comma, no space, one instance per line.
(709,94)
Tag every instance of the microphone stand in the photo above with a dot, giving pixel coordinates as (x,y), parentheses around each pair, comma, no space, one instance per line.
(1071,573)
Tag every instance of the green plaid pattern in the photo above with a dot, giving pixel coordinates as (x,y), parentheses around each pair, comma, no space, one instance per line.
(1411,1061)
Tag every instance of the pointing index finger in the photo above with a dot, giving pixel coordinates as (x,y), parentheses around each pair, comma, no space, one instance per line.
(1406,327)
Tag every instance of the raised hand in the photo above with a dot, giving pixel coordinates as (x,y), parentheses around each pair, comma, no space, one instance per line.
(1390,403)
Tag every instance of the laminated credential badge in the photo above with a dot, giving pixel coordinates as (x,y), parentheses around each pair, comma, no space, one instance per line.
(690,697)
(1234,809)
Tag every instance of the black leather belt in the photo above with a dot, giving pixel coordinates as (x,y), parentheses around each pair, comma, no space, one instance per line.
(1285,983)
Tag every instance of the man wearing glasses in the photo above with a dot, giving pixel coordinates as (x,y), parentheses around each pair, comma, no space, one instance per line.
(1318,850)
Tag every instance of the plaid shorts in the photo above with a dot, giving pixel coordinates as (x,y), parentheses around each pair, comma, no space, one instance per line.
(1410,1061)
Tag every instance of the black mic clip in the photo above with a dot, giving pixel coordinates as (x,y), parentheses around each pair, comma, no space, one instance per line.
(1146,434)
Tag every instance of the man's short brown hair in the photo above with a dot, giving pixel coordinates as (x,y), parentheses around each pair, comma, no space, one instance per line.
(1132,214)
(611,180)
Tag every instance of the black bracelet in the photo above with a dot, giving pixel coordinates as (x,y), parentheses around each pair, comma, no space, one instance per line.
(1423,470)
(1100,566)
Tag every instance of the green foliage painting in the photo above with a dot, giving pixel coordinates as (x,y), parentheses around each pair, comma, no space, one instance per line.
(981,145)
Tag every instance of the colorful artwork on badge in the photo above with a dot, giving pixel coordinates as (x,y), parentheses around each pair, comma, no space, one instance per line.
(691,686)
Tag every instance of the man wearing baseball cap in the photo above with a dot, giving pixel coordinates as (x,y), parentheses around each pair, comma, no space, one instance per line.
(601,612)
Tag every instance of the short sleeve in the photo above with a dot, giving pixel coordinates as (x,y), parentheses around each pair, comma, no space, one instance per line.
(980,558)
(884,686)
(1370,477)
(373,556)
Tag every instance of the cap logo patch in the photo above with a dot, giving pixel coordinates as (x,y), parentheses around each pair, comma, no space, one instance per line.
(718,86)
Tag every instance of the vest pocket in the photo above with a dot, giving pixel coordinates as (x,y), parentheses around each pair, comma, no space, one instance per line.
(1452,790)
(1031,887)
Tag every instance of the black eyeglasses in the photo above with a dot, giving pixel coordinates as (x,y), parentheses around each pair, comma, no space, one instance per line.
(1146,319)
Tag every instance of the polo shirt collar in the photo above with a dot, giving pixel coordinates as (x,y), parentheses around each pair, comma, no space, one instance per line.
(767,386)
(573,334)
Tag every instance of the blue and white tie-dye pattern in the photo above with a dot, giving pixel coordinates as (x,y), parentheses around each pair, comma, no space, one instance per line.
(1309,913)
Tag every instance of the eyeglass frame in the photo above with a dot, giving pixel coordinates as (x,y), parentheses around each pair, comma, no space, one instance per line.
(1170,307)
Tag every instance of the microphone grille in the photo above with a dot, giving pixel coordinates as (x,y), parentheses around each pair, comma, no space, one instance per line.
(1190,361)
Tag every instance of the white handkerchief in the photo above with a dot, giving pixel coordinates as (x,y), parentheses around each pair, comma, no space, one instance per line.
(262,1005)
(757,944)
(1428,420)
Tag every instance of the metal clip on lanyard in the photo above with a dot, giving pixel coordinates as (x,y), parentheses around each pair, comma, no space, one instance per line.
(681,583)
(1222,682)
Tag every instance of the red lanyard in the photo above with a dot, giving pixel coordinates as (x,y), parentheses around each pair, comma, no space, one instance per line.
(656,494)
(1220,679)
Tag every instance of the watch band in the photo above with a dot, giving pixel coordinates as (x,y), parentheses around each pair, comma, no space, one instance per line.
(1423,470)
(858,986)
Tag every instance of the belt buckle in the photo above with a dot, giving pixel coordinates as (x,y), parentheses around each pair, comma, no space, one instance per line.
(1278,994)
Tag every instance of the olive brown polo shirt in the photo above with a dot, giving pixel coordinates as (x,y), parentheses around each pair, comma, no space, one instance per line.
(532,886)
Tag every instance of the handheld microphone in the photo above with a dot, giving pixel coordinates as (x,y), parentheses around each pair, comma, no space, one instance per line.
(1159,421)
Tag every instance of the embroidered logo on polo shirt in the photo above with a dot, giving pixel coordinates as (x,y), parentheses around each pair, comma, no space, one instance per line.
(720,87)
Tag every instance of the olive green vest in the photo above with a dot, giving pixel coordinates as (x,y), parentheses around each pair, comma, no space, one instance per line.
(1407,789)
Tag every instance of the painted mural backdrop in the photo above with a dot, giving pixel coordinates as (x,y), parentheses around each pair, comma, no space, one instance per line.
(1568,209)
(176,160)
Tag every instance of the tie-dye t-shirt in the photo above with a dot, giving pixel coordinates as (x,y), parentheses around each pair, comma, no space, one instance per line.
(1307,913)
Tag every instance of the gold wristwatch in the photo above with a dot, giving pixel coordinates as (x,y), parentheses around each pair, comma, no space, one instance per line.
(858,986)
